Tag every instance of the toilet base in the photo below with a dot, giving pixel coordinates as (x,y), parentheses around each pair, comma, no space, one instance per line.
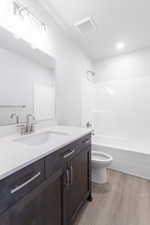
(99,175)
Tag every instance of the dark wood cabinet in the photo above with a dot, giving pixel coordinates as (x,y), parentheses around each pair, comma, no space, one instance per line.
(16,186)
(79,183)
(4,219)
(77,189)
(52,201)
(27,211)
(50,191)
(40,207)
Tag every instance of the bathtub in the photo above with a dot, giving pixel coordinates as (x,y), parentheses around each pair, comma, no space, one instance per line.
(131,157)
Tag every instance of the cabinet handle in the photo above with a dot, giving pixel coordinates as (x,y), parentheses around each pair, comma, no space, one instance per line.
(87,141)
(13,191)
(71,175)
(67,178)
(69,154)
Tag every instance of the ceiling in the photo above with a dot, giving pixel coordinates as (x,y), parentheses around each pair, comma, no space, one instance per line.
(116,20)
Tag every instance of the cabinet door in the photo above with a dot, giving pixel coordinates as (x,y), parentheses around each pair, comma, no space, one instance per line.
(27,211)
(4,219)
(52,202)
(78,189)
(41,207)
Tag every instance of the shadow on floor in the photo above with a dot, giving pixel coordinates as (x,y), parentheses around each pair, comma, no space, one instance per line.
(101,188)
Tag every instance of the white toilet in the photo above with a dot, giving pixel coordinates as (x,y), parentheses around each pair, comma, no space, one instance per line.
(100,161)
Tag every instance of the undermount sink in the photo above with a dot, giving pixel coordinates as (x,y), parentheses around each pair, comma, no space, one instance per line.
(42,138)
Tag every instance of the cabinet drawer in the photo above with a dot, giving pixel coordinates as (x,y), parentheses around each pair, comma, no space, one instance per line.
(26,180)
(84,142)
(20,183)
(6,198)
(69,151)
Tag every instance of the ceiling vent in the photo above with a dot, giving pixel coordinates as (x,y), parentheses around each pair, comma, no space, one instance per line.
(86,25)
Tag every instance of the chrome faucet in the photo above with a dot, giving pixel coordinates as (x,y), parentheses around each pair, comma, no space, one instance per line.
(16,116)
(29,125)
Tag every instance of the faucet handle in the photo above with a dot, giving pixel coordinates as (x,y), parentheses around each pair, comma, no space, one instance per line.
(32,128)
(22,127)
(28,117)
(88,124)
(16,116)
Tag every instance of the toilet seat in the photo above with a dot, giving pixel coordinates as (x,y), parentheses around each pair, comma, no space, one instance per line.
(101,157)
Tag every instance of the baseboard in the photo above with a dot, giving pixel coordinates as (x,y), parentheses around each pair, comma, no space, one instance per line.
(129,162)
(126,173)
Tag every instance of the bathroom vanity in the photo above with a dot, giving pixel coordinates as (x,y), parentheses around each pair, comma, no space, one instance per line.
(52,189)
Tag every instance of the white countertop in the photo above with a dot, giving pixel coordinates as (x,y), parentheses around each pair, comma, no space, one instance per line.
(15,155)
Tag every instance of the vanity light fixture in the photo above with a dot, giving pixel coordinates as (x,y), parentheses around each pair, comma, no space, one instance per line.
(22,11)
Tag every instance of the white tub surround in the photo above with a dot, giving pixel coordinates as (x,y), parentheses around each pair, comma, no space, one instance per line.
(15,155)
(121,94)
(127,158)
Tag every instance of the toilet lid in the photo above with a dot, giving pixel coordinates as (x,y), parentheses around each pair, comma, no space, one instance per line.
(100,156)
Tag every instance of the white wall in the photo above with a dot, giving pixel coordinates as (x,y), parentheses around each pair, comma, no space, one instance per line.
(87,100)
(122,97)
(71,65)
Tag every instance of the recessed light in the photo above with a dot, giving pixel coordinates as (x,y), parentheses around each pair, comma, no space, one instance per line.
(120,45)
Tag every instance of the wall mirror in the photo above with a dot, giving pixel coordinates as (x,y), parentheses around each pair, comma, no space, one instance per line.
(27,73)
(25,87)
